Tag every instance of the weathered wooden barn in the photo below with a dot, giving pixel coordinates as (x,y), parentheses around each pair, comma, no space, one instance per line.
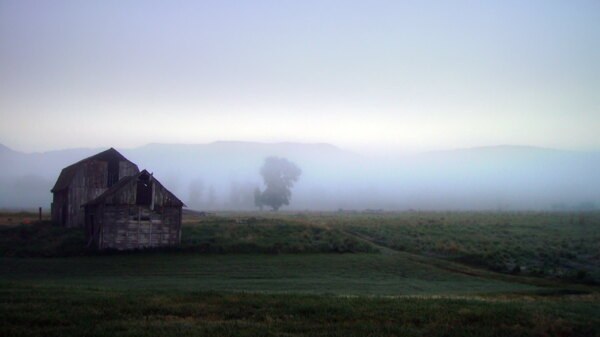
(84,181)
(136,212)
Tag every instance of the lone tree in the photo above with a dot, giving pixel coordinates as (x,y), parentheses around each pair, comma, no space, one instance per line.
(279,175)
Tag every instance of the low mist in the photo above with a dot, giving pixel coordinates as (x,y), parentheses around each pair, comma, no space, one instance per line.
(224,176)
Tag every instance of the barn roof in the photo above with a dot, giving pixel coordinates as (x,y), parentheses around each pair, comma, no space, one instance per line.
(67,174)
(123,183)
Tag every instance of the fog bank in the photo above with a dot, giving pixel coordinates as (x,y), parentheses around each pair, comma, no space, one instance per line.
(223,176)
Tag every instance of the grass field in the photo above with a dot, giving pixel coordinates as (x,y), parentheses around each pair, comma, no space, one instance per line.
(81,311)
(306,274)
(551,245)
(212,234)
(340,274)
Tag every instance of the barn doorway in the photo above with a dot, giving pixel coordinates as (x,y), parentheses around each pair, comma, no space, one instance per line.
(144,190)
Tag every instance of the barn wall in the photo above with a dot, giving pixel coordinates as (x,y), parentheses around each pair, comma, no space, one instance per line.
(127,169)
(162,197)
(93,224)
(58,201)
(127,196)
(88,183)
(131,226)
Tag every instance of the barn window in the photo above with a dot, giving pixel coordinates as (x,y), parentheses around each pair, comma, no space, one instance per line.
(144,190)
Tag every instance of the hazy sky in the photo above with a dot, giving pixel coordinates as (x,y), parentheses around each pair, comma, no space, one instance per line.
(397,75)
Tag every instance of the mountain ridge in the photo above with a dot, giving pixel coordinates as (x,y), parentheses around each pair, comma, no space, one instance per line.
(525,177)
(322,145)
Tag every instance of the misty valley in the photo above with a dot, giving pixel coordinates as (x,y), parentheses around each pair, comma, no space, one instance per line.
(270,168)
(225,175)
(299,239)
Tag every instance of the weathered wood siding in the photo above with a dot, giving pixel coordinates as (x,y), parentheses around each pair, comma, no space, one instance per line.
(89,181)
(121,219)
(127,169)
(133,227)
(128,196)
(58,209)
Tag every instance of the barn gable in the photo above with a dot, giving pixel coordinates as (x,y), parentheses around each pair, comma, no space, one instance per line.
(137,212)
(111,158)
(139,189)
(84,181)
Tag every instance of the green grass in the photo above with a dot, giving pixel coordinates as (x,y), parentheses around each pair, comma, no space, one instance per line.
(265,274)
(41,239)
(343,274)
(553,245)
(79,311)
(266,235)
(214,235)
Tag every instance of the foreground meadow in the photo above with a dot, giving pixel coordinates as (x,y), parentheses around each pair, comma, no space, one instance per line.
(305,274)
(83,311)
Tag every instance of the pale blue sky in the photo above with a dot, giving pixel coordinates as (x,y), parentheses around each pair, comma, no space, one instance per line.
(364,75)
